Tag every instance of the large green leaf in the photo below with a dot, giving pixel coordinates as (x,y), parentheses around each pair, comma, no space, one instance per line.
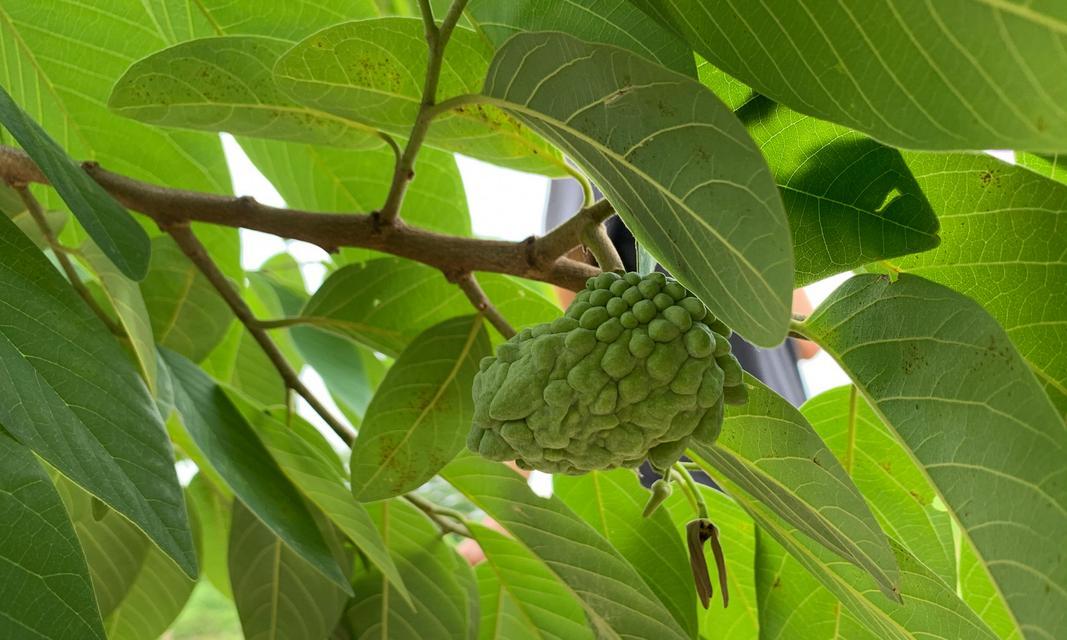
(278,594)
(1005,245)
(114,548)
(60,61)
(529,601)
(186,312)
(944,376)
(73,396)
(232,448)
(930,608)
(386,303)
(981,594)
(156,597)
(794,605)
(896,490)
(211,510)
(431,570)
(678,166)
(45,590)
(111,226)
(226,84)
(1050,165)
(617,600)
(129,305)
(612,503)
(290,20)
(737,534)
(944,75)
(850,200)
(615,22)
(420,416)
(769,450)
(372,71)
(305,457)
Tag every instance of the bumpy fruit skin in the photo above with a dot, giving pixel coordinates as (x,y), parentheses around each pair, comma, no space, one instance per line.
(633,370)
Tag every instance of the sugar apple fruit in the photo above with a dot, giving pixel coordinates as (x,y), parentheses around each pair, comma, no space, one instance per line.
(633,370)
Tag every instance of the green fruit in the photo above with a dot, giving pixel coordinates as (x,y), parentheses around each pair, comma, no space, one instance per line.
(634,370)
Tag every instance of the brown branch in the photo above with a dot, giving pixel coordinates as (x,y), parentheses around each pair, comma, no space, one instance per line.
(595,238)
(38,215)
(481,302)
(568,235)
(327,230)
(197,253)
(436,40)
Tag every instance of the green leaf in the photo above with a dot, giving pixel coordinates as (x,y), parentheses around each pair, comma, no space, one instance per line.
(307,460)
(420,416)
(118,235)
(74,397)
(372,71)
(187,314)
(981,594)
(125,298)
(1050,165)
(114,548)
(46,590)
(351,373)
(944,376)
(678,166)
(612,502)
(529,600)
(896,490)
(616,598)
(60,63)
(226,84)
(737,534)
(320,178)
(156,597)
(278,594)
(954,75)
(12,206)
(614,22)
(290,20)
(211,510)
(385,303)
(850,200)
(793,605)
(769,450)
(237,455)
(1005,245)
(432,572)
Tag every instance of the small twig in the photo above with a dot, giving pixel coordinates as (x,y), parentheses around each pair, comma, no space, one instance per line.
(37,213)
(440,516)
(568,235)
(481,302)
(197,253)
(596,239)
(436,40)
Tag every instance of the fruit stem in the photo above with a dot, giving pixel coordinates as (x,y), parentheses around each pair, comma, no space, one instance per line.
(689,486)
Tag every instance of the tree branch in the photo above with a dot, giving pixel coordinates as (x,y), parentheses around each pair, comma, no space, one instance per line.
(436,40)
(327,230)
(568,235)
(197,253)
(481,302)
(595,238)
(37,213)
(440,516)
